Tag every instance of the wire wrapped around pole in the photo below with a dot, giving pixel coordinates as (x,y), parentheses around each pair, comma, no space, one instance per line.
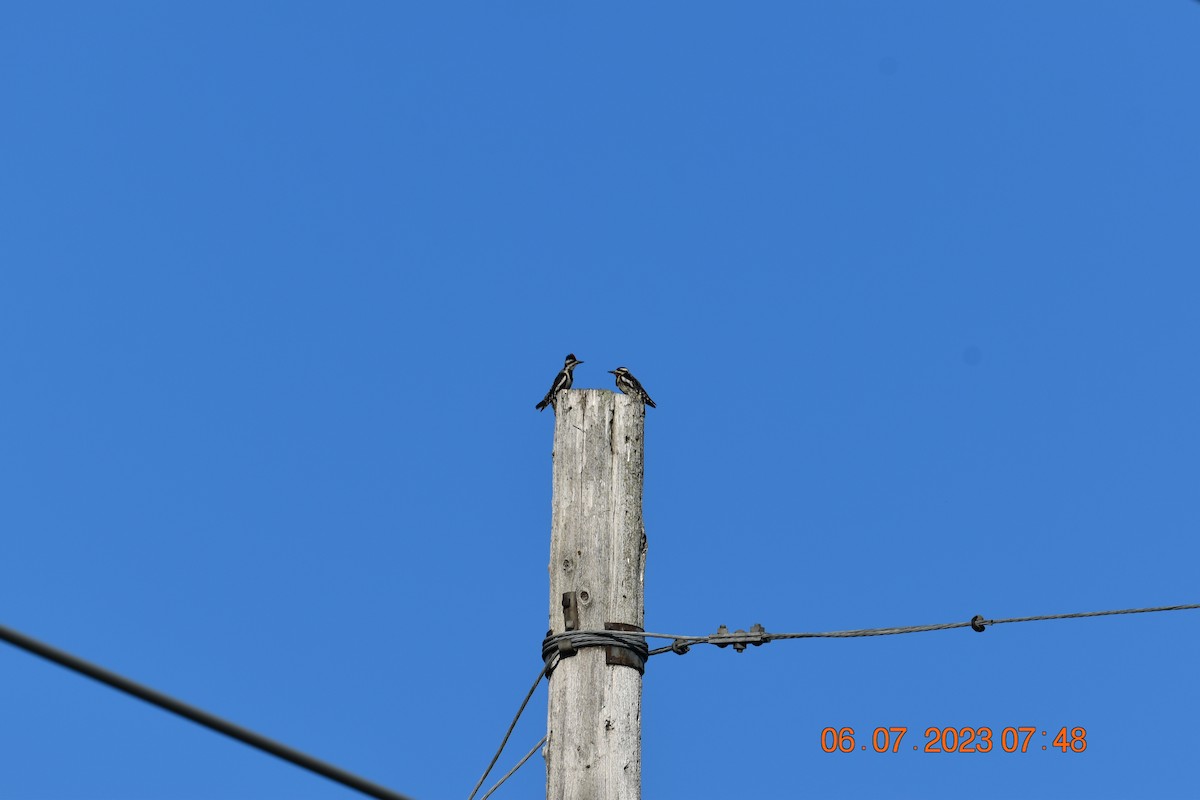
(634,642)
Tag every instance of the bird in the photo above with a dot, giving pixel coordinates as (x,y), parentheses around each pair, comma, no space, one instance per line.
(630,386)
(561,381)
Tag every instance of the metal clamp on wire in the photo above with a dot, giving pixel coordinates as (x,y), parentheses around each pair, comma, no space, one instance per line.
(739,639)
(978,624)
(565,647)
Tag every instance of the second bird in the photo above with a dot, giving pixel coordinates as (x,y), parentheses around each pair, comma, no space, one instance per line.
(630,386)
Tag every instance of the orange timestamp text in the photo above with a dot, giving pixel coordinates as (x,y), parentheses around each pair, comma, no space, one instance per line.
(938,739)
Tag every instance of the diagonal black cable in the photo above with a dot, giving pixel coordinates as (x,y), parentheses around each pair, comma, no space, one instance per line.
(513,771)
(198,716)
(551,661)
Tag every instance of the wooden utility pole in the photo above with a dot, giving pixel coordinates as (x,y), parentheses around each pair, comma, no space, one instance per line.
(597,564)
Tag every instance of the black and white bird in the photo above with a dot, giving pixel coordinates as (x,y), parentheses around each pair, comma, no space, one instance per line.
(561,381)
(630,386)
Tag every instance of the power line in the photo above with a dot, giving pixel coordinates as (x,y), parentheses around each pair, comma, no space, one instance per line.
(199,716)
(977,623)
(1093,614)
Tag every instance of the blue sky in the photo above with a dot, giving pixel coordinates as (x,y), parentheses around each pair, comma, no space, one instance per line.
(914,286)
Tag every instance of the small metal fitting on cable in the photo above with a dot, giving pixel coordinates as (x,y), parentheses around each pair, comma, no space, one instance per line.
(977,623)
(739,639)
(566,648)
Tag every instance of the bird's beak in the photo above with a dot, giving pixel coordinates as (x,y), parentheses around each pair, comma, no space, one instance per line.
(612,372)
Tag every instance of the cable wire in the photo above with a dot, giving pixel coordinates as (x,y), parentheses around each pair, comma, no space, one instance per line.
(513,771)
(974,623)
(682,643)
(199,716)
(543,672)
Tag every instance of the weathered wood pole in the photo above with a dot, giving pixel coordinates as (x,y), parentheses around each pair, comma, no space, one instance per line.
(597,552)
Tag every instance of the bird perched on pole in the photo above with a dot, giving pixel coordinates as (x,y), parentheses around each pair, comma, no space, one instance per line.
(630,386)
(562,381)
